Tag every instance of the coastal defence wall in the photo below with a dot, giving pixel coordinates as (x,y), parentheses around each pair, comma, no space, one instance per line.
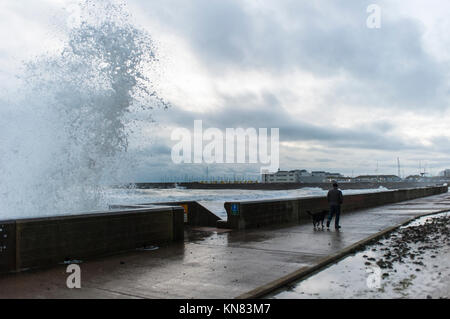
(41,242)
(254,214)
(195,214)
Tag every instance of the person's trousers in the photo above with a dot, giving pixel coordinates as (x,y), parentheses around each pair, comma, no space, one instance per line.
(334,210)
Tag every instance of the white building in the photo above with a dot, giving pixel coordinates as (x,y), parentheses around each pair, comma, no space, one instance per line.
(283,176)
(298,176)
(445,173)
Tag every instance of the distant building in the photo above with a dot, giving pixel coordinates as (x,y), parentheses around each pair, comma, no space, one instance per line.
(304,172)
(414,178)
(377,178)
(299,176)
(334,176)
(445,173)
(283,176)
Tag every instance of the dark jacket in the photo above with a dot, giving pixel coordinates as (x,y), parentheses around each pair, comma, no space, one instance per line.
(335,197)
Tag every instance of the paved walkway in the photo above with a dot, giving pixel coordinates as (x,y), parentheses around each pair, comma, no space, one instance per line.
(214,263)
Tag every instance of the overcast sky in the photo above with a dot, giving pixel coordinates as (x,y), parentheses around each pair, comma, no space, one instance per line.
(345,97)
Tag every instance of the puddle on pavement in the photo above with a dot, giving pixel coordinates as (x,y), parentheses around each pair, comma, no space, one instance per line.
(425,219)
(423,271)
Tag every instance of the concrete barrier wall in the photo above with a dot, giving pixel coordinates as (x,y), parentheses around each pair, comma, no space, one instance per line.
(251,214)
(7,245)
(196,214)
(40,242)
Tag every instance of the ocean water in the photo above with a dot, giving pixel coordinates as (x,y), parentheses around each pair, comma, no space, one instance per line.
(213,199)
(65,129)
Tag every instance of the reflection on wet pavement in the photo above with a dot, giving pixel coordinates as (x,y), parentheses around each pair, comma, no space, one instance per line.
(413,262)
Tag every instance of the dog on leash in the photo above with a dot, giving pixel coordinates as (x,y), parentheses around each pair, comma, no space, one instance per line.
(318,218)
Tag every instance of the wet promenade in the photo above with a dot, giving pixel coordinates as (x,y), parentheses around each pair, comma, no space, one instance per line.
(213,263)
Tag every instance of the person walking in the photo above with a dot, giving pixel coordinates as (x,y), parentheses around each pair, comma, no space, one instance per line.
(335,200)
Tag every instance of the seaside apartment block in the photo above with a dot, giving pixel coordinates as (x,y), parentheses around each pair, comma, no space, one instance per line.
(299,176)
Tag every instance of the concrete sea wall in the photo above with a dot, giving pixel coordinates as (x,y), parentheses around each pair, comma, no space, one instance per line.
(253,214)
(195,214)
(41,242)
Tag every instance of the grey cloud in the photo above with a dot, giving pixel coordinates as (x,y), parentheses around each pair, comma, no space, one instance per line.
(440,144)
(373,141)
(158,149)
(387,67)
(270,114)
(383,68)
